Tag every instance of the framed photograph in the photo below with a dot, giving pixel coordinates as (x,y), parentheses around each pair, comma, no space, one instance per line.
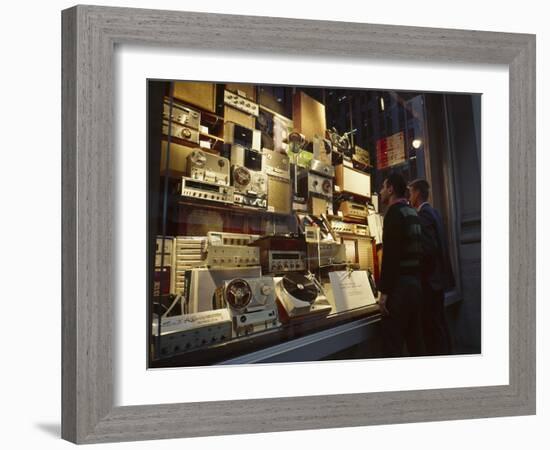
(245,206)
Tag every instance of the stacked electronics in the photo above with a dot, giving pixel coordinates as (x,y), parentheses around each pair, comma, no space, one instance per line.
(233,284)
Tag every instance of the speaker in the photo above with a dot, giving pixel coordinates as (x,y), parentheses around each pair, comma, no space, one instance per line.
(318,206)
(177,166)
(365,254)
(199,94)
(249,90)
(309,116)
(278,195)
(236,116)
(353,181)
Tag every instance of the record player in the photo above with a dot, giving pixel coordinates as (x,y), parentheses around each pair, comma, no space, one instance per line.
(301,295)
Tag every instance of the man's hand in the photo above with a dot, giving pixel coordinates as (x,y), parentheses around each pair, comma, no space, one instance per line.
(382,304)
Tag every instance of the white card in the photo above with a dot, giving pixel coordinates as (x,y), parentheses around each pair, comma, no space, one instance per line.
(350,290)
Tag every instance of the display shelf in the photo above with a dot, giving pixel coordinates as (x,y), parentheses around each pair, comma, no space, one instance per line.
(227,207)
(288,333)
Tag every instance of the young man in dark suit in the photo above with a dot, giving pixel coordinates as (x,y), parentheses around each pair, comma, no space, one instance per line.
(400,301)
(436,271)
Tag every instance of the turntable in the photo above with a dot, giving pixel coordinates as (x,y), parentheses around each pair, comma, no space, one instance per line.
(301,295)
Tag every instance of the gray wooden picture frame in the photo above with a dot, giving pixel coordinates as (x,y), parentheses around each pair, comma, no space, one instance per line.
(90,34)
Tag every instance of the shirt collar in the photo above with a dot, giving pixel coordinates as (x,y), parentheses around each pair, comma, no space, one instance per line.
(398,200)
(421,205)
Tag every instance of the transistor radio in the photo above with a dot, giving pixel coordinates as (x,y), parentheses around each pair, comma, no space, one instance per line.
(203,190)
(180,131)
(251,303)
(204,166)
(182,115)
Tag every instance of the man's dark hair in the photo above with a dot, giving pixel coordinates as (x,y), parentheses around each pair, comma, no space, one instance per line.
(422,186)
(397,182)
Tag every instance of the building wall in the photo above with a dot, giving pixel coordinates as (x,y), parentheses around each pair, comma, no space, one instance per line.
(454,159)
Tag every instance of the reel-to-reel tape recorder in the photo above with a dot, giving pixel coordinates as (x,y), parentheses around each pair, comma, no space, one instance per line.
(251,304)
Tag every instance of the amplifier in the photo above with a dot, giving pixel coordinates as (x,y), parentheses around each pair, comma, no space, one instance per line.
(361,229)
(276,164)
(246,157)
(353,181)
(241,103)
(353,210)
(203,283)
(243,89)
(188,332)
(182,115)
(234,133)
(199,94)
(342,227)
(204,166)
(238,117)
(232,256)
(180,131)
(223,238)
(325,254)
(279,261)
(309,116)
(279,195)
(203,190)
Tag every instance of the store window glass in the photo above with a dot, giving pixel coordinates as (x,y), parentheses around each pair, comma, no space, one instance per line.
(264,223)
